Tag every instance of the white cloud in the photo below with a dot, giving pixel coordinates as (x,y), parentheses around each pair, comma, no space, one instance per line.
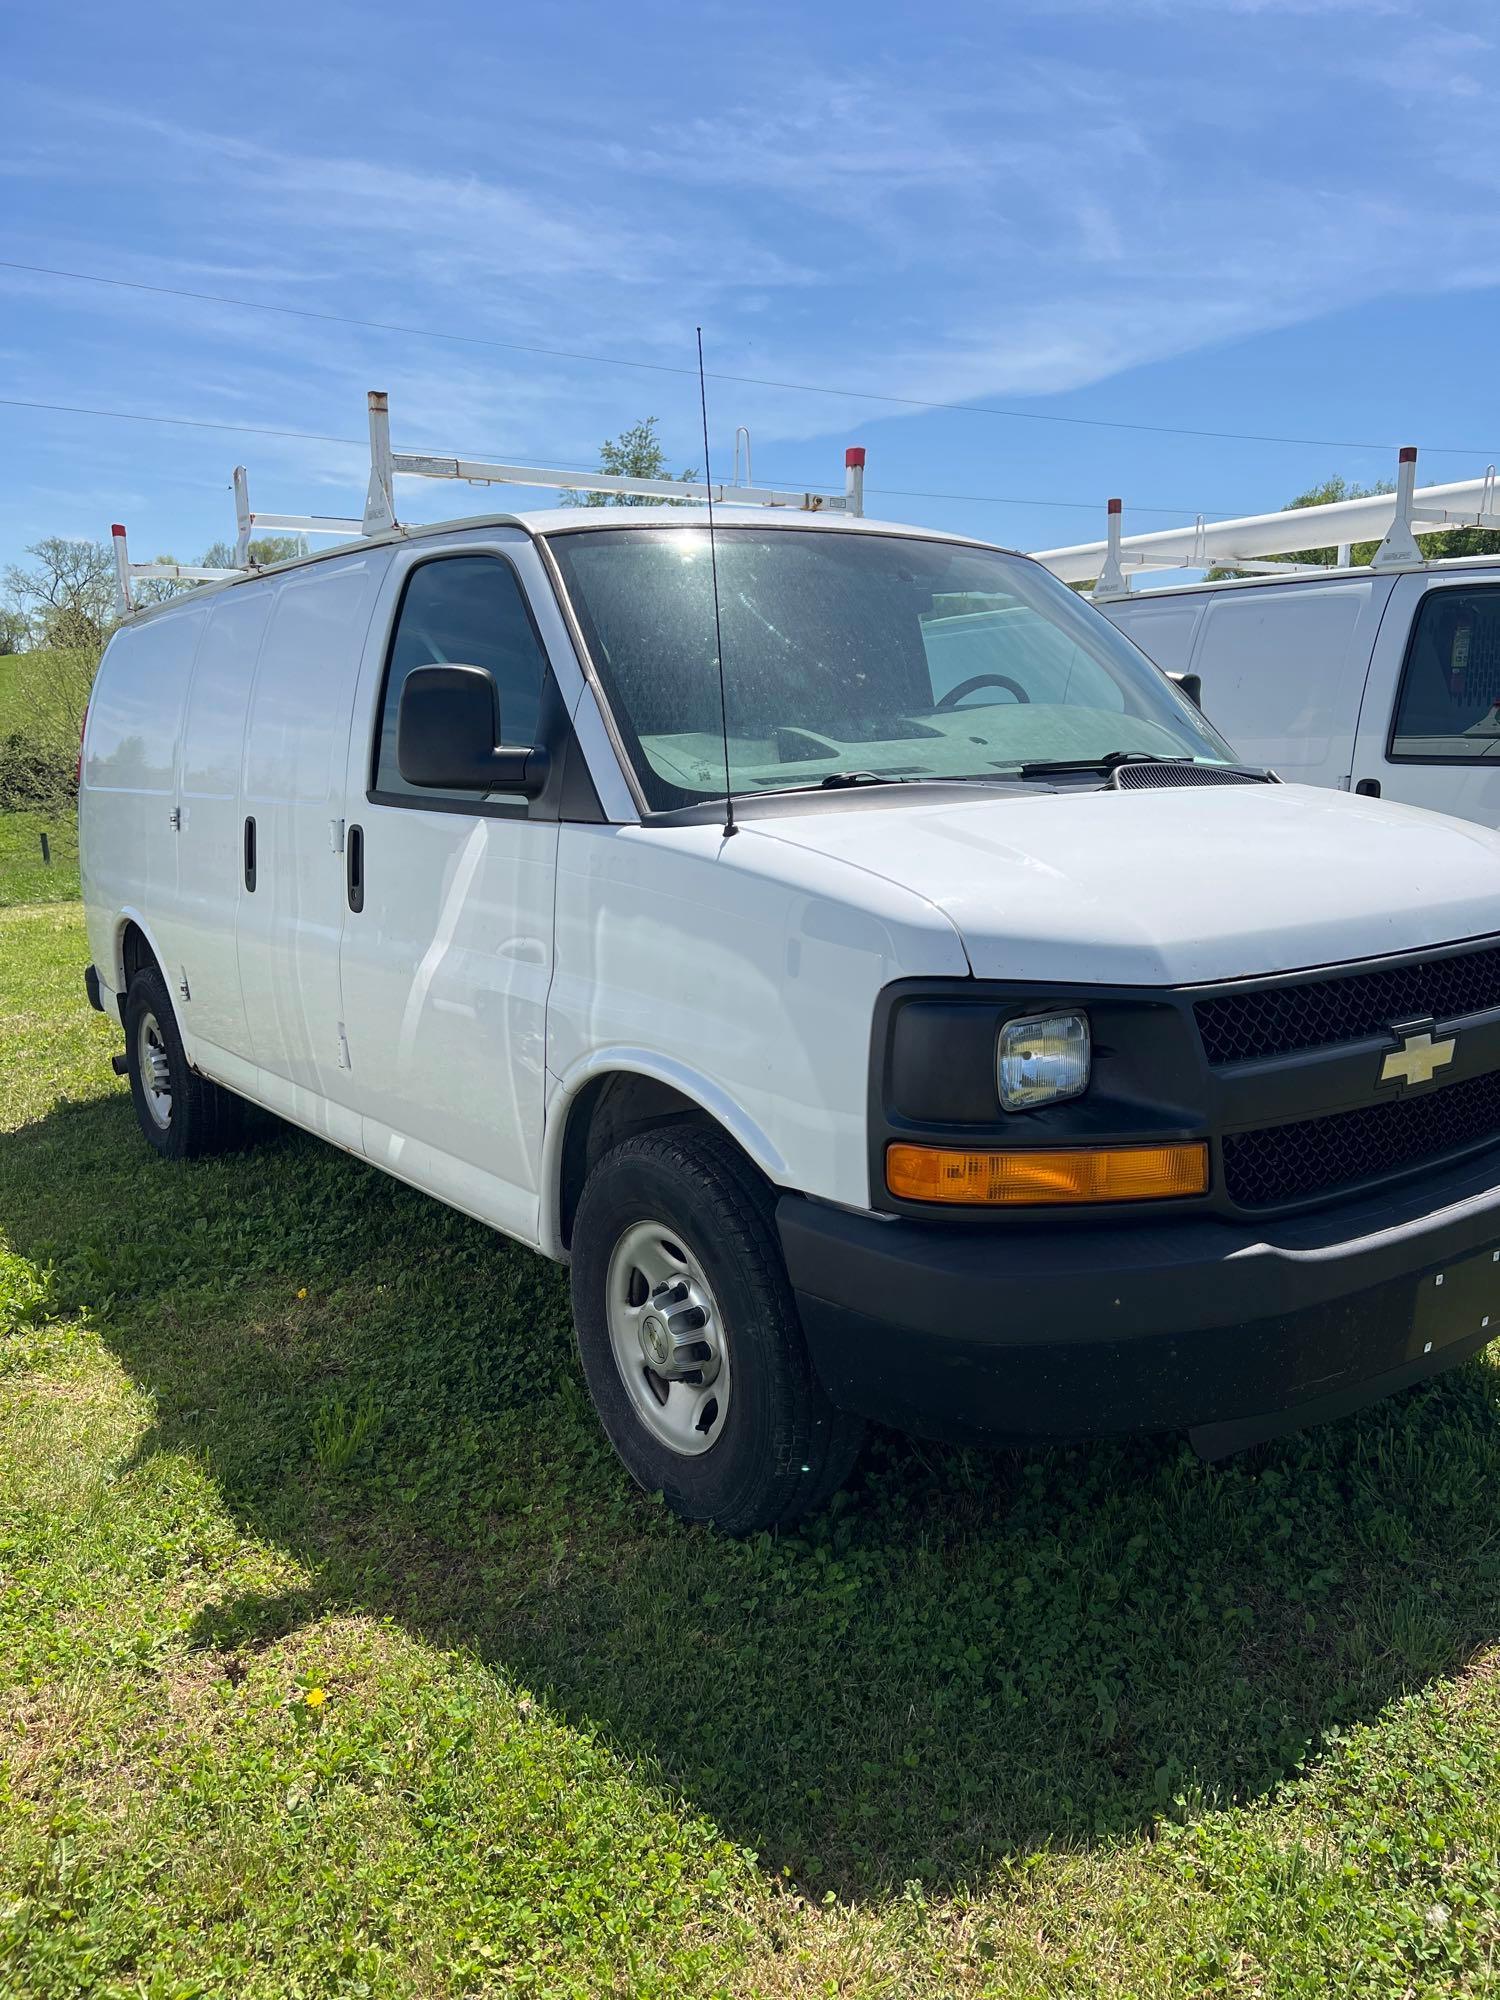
(980,225)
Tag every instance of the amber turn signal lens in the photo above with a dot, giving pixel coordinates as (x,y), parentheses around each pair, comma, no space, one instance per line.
(1013,1179)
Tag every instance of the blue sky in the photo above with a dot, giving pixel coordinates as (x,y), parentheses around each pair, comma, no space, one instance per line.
(1266,216)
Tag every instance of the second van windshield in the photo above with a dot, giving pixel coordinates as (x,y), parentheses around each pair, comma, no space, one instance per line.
(855,653)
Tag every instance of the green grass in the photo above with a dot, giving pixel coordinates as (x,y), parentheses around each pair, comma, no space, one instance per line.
(1094,1721)
(24,876)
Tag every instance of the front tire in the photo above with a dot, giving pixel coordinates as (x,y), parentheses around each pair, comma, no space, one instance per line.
(183,1115)
(690,1341)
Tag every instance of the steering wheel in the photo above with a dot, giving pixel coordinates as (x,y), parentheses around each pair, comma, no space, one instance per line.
(955,695)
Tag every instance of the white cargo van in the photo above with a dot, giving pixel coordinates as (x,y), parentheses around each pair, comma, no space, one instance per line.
(1382,679)
(1021,1065)
(1380,683)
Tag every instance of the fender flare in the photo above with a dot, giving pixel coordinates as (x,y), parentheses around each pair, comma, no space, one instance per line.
(123,919)
(710,1098)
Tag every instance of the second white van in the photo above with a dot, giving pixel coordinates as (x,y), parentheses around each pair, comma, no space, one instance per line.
(1382,682)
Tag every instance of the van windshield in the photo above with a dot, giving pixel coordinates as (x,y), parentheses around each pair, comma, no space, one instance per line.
(852,657)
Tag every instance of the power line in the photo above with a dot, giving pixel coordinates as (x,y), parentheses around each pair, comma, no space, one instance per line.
(749,381)
(579,472)
(182,423)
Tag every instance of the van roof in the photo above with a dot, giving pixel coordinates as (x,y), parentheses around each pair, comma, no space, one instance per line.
(543,521)
(1314,575)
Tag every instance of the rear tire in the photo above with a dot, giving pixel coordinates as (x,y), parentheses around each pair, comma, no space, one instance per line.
(690,1341)
(180,1113)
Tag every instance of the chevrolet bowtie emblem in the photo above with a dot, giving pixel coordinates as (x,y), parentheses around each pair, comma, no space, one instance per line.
(1419,1057)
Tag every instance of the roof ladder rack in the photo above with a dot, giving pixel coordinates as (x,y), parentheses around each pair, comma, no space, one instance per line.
(247,524)
(1394,519)
(127,571)
(380,503)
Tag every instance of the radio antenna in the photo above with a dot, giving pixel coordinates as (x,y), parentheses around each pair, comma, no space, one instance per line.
(730,829)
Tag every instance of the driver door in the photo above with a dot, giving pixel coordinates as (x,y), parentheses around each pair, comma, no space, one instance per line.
(1429,730)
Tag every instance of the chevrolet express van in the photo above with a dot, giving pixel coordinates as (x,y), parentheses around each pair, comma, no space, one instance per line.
(1384,682)
(1012,1061)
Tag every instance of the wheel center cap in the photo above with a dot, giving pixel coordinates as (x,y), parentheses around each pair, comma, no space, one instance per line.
(656,1342)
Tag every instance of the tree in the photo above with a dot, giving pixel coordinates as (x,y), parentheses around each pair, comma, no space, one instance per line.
(636,454)
(15,630)
(67,598)
(49,698)
(264,551)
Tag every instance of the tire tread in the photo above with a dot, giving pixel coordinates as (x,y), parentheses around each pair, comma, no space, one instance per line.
(811,1432)
(206,1118)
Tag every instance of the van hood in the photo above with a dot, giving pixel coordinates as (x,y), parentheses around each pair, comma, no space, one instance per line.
(1170,887)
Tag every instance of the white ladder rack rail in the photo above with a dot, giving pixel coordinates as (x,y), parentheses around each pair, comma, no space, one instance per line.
(127,571)
(1395,519)
(380,508)
(380,504)
(247,524)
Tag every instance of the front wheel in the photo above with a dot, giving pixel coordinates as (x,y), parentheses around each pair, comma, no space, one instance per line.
(689,1337)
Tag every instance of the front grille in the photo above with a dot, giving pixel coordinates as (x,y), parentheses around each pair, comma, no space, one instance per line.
(1283,1163)
(1155,777)
(1273,1021)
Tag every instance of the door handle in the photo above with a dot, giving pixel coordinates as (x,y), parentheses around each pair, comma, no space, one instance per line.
(1368,788)
(354,866)
(250,854)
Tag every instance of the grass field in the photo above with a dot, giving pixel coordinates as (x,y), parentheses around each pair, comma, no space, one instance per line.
(337,1657)
(24,876)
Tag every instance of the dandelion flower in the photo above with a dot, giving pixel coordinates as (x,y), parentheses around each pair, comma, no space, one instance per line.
(315,1697)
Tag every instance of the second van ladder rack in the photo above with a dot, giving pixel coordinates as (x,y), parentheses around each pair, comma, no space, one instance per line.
(1395,519)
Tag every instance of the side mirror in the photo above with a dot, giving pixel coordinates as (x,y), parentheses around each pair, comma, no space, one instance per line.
(1191,685)
(448,736)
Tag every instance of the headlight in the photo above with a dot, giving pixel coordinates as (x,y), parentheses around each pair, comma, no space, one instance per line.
(1042,1059)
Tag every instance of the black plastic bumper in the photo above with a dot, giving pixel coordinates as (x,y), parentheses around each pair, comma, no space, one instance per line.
(1230,1331)
(91,987)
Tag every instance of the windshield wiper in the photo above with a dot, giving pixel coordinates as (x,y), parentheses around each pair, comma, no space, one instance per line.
(1047,767)
(837,779)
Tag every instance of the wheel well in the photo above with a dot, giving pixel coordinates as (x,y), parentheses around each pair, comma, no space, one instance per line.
(607,1110)
(134,953)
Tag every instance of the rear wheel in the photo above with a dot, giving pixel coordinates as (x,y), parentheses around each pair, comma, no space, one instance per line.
(180,1113)
(690,1340)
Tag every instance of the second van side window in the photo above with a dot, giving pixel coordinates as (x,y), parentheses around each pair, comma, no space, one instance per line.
(462,611)
(1449,706)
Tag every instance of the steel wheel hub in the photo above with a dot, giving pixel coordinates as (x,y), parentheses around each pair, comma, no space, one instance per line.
(667,1337)
(155,1070)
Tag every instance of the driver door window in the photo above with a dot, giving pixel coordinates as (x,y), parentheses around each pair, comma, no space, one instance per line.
(462,611)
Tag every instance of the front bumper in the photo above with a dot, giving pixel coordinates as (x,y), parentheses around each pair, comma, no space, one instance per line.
(1234,1332)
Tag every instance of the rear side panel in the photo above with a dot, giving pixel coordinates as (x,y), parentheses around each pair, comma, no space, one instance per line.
(1165,627)
(1283,667)
(128,838)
